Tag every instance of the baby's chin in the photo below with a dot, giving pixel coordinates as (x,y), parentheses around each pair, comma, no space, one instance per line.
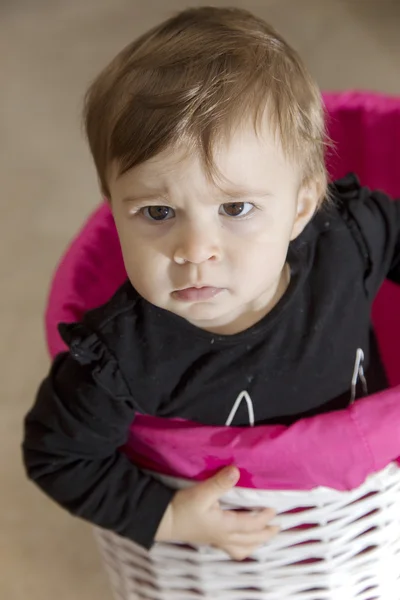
(202,314)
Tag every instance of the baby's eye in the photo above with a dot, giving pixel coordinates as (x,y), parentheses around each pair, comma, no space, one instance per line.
(236,209)
(158,213)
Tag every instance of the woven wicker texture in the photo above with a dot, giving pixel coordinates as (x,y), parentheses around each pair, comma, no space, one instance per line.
(333,546)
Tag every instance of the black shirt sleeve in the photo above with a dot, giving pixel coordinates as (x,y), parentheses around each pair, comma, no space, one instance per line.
(70,450)
(375,222)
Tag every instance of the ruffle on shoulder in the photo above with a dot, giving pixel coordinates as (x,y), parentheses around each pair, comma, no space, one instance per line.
(347,188)
(88,349)
(351,198)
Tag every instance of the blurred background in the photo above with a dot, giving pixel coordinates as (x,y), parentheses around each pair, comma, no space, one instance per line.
(49,51)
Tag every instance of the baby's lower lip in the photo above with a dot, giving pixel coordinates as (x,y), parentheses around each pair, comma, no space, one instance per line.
(194,294)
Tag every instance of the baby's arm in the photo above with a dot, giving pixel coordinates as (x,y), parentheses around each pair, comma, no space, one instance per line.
(386,247)
(373,219)
(70,449)
(394,269)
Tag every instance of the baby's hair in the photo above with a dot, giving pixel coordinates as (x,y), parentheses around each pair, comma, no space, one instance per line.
(192,80)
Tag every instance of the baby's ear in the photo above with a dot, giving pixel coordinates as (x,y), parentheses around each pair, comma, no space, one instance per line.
(308,200)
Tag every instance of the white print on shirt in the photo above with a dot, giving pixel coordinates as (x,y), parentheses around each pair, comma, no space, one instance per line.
(358,374)
(242,396)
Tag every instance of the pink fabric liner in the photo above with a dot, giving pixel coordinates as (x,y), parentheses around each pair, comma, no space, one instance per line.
(336,449)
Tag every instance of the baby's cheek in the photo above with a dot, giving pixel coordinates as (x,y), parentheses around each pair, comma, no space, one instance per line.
(248,262)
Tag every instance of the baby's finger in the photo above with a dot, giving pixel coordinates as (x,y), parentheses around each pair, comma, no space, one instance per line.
(255,539)
(239,552)
(247,522)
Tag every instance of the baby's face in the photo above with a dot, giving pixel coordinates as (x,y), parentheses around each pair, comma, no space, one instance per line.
(215,257)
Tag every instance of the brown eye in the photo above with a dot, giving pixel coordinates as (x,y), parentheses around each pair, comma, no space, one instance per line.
(158,213)
(236,209)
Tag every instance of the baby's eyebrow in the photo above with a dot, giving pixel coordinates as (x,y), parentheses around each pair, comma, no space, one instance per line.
(144,198)
(241,193)
(227,194)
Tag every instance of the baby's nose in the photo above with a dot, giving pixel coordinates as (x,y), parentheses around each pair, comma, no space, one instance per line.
(196,245)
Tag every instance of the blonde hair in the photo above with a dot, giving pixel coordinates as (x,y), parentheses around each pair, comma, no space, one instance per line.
(195,77)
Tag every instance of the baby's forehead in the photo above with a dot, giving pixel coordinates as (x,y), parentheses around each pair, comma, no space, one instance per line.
(247,168)
(233,157)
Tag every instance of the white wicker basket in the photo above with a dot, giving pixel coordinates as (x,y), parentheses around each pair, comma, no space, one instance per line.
(334,545)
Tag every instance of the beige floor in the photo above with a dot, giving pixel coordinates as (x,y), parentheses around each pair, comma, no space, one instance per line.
(49,50)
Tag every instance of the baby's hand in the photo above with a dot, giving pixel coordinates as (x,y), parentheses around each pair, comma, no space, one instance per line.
(195,516)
